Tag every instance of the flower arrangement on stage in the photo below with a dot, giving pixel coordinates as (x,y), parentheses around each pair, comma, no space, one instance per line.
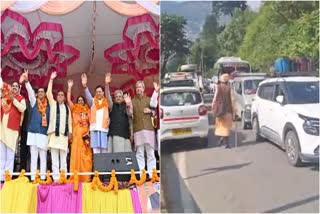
(96,182)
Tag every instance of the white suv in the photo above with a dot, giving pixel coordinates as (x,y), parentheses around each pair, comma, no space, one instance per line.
(183,115)
(286,111)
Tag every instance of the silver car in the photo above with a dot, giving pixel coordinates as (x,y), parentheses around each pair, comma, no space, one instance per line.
(244,89)
(183,115)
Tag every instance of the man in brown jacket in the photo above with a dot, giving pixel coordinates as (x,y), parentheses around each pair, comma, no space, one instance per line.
(143,131)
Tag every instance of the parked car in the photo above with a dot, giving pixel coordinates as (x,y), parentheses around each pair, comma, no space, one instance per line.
(183,115)
(286,111)
(244,88)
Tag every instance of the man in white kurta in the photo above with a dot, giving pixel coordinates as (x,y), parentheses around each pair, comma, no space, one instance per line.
(12,108)
(60,128)
(37,138)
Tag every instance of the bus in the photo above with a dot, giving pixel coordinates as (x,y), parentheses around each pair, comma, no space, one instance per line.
(231,66)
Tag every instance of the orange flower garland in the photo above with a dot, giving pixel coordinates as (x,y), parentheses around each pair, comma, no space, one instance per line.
(155,177)
(103,104)
(22,173)
(7,176)
(37,179)
(134,179)
(113,184)
(42,107)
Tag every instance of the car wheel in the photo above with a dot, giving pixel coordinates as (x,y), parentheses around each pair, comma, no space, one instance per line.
(256,129)
(243,123)
(293,149)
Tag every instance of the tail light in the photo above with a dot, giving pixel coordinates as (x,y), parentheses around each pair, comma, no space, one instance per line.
(202,110)
(161,113)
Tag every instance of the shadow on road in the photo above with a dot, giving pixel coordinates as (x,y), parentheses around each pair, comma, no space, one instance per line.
(218,169)
(177,197)
(293,204)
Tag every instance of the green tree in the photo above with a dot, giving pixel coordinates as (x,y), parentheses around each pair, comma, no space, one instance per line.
(227,7)
(173,39)
(282,29)
(231,38)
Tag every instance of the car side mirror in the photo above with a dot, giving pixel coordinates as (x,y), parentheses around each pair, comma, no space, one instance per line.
(239,90)
(280,99)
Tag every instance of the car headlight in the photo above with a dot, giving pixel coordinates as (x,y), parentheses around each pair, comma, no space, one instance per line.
(310,125)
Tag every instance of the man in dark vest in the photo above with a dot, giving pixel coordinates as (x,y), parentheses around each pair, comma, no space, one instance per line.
(143,131)
(38,127)
(119,135)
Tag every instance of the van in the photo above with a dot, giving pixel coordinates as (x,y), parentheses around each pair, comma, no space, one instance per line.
(244,88)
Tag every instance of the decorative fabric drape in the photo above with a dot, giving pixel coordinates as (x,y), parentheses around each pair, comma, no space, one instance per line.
(61,7)
(40,51)
(137,55)
(55,198)
(135,200)
(22,6)
(151,6)
(6,4)
(95,201)
(19,195)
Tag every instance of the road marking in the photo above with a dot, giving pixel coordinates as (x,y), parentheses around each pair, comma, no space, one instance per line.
(181,164)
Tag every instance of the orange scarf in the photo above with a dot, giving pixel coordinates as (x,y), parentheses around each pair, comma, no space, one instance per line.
(102,105)
(77,108)
(95,107)
(42,106)
(42,110)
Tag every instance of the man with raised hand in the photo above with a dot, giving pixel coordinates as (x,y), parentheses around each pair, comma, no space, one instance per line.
(12,107)
(99,117)
(144,136)
(38,127)
(119,134)
(59,130)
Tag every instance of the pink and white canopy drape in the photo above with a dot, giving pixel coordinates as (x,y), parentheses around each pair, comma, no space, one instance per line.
(137,55)
(40,51)
(134,8)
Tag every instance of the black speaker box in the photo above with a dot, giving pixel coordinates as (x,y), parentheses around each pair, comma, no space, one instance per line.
(120,162)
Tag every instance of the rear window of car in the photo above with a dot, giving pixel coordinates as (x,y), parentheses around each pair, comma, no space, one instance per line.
(180,98)
(181,83)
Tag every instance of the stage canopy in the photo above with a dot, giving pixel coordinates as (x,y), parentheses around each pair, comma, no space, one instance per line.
(75,37)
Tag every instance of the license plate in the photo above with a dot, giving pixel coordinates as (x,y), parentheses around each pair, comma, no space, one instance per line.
(184,131)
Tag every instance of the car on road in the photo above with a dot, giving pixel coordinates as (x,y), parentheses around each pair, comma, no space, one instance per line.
(183,115)
(286,111)
(244,87)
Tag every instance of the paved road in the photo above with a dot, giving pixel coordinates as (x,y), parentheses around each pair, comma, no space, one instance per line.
(254,177)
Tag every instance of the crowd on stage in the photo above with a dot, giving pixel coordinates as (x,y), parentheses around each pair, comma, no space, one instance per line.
(94,123)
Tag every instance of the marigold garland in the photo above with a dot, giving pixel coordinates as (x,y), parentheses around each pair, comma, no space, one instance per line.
(113,184)
(22,173)
(74,179)
(7,176)
(155,177)
(38,180)
(134,180)
(102,105)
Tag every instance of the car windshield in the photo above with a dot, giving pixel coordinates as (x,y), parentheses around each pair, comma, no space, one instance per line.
(180,83)
(180,98)
(303,92)
(250,86)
